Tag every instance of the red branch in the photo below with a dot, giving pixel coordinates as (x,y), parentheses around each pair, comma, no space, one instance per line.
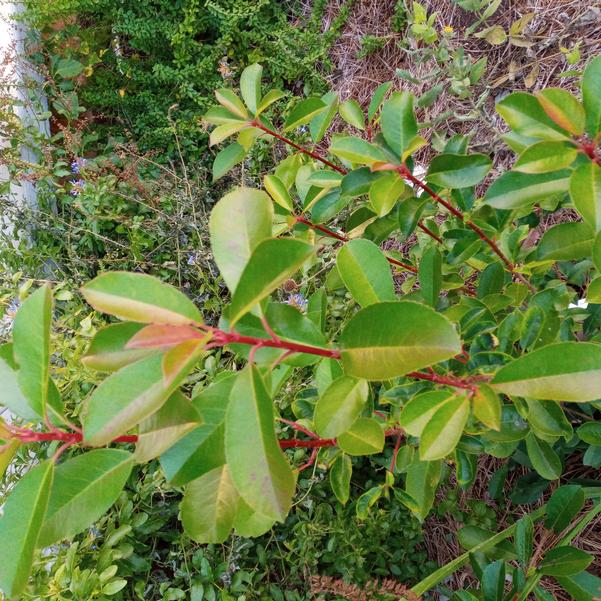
(590,150)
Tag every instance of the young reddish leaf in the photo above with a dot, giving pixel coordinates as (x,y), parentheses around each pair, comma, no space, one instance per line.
(563,108)
(181,358)
(162,336)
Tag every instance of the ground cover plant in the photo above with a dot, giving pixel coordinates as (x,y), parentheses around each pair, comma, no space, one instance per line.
(464,341)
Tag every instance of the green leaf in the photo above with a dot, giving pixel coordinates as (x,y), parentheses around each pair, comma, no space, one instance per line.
(218,115)
(356,150)
(544,459)
(398,123)
(420,409)
(250,86)
(340,477)
(442,433)
(564,561)
(221,133)
(514,190)
(591,96)
(377,99)
(566,242)
(249,523)
(320,123)
(351,112)
(226,159)
(523,536)
(238,222)
(84,488)
(20,525)
(107,351)
(565,371)
(164,428)
(547,417)
(272,262)
(563,506)
(260,471)
(209,506)
(325,178)
(277,190)
(493,581)
(203,449)
(391,339)
(597,251)
(69,68)
(229,100)
(367,500)
(563,108)
(524,114)
(585,192)
(487,407)
(430,275)
(339,406)
(593,292)
(458,170)
(582,586)
(12,397)
(31,347)
(544,157)
(125,398)
(421,483)
(364,437)
(365,272)
(303,112)
(590,432)
(384,193)
(268,100)
(410,212)
(139,297)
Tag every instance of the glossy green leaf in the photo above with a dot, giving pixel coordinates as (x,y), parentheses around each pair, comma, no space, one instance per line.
(524,531)
(364,437)
(365,272)
(565,371)
(543,458)
(591,96)
(566,242)
(164,428)
(458,170)
(340,477)
(563,108)
(581,587)
(31,347)
(377,99)
(139,297)
(227,158)
(325,178)
(108,352)
(430,275)
(277,190)
(260,472)
(398,123)
(272,262)
(384,193)
(84,488)
(548,418)
(590,432)
(367,500)
(320,123)
(544,157)
(443,431)
(486,406)
(125,398)
(563,506)
(209,506)
(524,114)
(218,135)
(22,518)
(564,561)
(219,115)
(250,86)
(268,100)
(351,112)
(238,222)
(390,339)
(303,112)
(339,406)
(593,292)
(493,581)
(514,190)
(597,251)
(409,213)
(203,449)
(420,409)
(421,484)
(357,150)
(248,522)
(585,192)
(229,100)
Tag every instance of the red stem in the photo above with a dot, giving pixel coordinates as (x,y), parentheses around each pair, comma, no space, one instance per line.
(590,150)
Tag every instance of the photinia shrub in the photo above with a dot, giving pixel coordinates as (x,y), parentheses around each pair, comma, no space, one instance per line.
(468,336)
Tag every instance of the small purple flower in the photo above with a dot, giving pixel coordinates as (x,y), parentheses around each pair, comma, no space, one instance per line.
(298,301)
(77,164)
(76,186)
